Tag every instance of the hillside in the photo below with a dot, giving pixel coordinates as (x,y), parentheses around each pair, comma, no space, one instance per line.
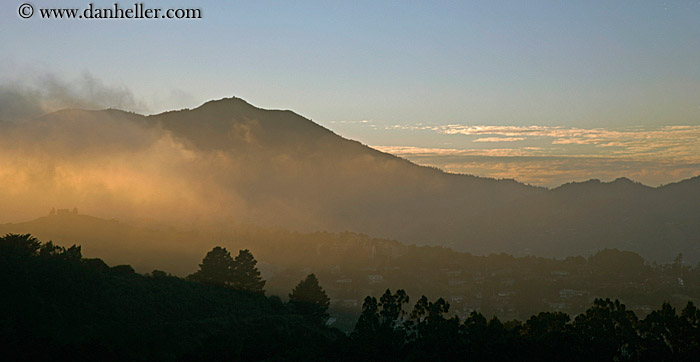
(228,162)
(351,266)
(59,305)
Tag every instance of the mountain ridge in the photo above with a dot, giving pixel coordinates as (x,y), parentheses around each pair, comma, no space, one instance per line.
(241,103)
(229,160)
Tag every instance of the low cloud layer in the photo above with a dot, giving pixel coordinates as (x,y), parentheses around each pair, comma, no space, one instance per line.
(107,164)
(550,156)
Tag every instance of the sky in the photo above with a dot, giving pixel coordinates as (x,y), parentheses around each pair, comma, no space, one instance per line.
(545,92)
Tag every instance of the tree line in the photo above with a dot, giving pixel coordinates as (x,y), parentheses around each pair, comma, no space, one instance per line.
(218,268)
(56,304)
(607,331)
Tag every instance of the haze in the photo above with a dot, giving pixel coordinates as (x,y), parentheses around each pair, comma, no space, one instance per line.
(277,180)
(597,66)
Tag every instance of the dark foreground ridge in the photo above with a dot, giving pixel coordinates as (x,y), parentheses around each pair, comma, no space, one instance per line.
(58,305)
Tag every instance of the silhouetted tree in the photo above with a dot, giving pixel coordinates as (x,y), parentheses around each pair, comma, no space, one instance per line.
(19,245)
(245,276)
(380,327)
(489,340)
(609,330)
(391,311)
(689,332)
(551,337)
(475,333)
(368,322)
(659,330)
(431,334)
(51,250)
(159,274)
(310,299)
(428,317)
(54,306)
(216,268)
(125,316)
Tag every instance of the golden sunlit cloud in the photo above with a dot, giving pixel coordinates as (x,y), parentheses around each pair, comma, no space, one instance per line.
(551,156)
(499,139)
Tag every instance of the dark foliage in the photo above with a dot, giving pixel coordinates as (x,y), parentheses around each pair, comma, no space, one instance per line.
(56,305)
(216,268)
(219,269)
(245,274)
(309,299)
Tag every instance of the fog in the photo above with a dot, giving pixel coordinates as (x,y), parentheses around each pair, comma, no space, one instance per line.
(41,93)
(110,164)
(174,168)
(228,163)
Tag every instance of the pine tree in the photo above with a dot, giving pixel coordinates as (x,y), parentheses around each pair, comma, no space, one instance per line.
(310,299)
(245,275)
(216,268)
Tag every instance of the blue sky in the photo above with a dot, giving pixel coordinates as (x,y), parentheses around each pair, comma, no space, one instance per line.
(395,64)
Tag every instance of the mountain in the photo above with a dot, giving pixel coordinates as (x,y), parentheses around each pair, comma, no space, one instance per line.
(580,218)
(228,162)
(293,165)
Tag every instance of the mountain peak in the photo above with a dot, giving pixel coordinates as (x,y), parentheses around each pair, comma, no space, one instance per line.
(625,183)
(233,123)
(623,180)
(227,102)
(235,104)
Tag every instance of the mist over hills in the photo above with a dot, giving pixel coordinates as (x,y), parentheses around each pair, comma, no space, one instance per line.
(228,162)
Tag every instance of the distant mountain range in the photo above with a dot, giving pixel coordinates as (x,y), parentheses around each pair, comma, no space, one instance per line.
(230,162)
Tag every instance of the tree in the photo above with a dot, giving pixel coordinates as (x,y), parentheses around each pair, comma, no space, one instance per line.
(433,337)
(381,324)
(368,323)
(51,250)
(245,276)
(551,337)
(19,245)
(216,268)
(391,311)
(310,299)
(689,336)
(609,330)
(428,318)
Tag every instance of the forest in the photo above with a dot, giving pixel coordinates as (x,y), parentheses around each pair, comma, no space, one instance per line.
(351,266)
(57,304)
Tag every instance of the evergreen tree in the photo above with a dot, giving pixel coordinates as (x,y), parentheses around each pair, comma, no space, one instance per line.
(216,268)
(245,275)
(310,299)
